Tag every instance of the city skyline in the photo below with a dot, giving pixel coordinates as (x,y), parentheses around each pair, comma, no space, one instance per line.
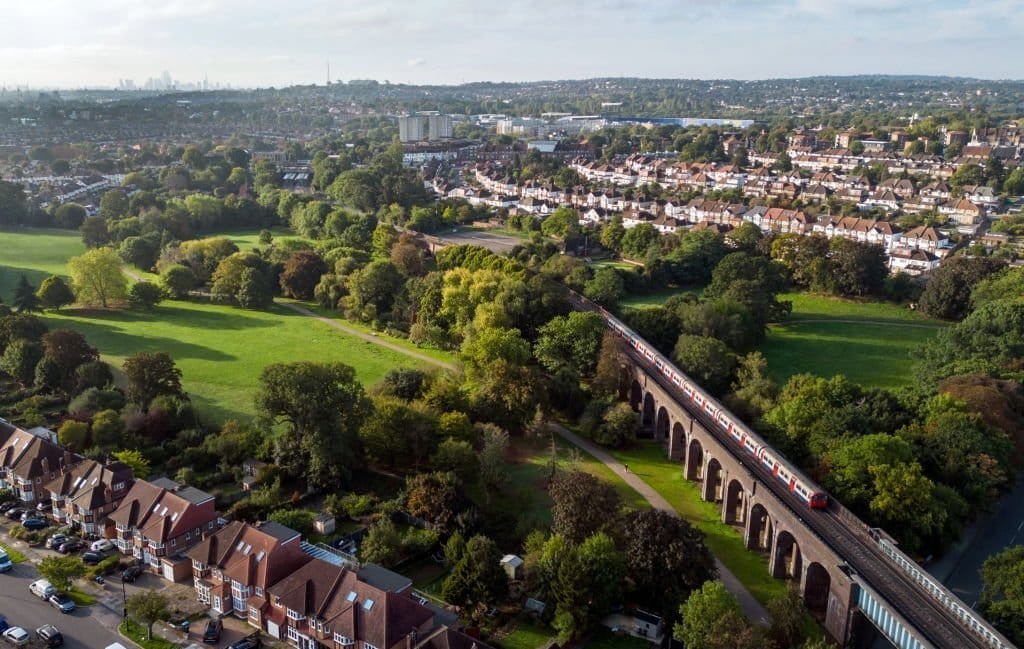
(61,44)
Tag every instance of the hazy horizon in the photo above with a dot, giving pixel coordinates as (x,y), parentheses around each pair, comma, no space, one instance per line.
(59,44)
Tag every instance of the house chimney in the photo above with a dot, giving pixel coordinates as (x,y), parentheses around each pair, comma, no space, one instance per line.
(68,460)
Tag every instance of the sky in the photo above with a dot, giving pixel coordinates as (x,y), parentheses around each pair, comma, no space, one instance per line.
(262,43)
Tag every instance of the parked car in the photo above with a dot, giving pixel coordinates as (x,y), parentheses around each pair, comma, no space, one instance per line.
(5,563)
(35,524)
(44,505)
(3,624)
(103,545)
(42,589)
(55,540)
(27,514)
(211,634)
(248,642)
(15,513)
(61,602)
(73,544)
(7,506)
(50,635)
(17,636)
(131,573)
(92,558)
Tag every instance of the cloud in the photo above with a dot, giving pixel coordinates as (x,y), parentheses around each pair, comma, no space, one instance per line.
(416,62)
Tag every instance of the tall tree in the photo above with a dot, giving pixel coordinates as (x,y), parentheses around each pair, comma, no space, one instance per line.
(321,406)
(151,374)
(97,278)
(25,299)
(302,271)
(61,571)
(476,578)
(148,607)
(582,505)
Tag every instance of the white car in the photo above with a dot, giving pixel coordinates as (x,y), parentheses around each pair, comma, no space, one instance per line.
(17,636)
(103,545)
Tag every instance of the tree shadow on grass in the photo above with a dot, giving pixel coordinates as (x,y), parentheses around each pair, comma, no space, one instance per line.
(226,318)
(9,277)
(114,340)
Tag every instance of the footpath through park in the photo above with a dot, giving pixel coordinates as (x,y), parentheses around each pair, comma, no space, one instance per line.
(751,607)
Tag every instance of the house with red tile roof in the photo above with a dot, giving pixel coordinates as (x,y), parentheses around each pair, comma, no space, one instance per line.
(84,494)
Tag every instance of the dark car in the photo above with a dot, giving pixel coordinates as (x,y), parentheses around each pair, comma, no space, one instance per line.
(34,524)
(92,558)
(3,624)
(211,634)
(131,573)
(50,636)
(73,544)
(249,642)
(15,513)
(7,506)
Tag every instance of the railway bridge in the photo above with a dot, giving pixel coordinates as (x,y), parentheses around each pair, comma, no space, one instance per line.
(851,576)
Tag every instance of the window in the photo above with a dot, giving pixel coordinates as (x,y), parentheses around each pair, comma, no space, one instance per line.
(294,615)
(343,639)
(259,592)
(188,536)
(367,645)
(293,634)
(174,542)
(254,612)
(197,531)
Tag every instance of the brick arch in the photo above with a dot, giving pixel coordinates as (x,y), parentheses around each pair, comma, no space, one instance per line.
(677,442)
(662,424)
(713,477)
(695,460)
(817,583)
(786,559)
(647,414)
(759,533)
(734,507)
(636,395)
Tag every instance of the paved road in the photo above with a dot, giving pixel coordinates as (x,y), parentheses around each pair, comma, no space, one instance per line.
(751,607)
(81,628)
(960,568)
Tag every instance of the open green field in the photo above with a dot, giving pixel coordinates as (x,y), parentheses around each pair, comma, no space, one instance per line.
(221,349)
(37,253)
(248,239)
(872,343)
(654,298)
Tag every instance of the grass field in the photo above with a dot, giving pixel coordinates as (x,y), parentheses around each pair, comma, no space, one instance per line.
(654,298)
(872,343)
(221,349)
(36,253)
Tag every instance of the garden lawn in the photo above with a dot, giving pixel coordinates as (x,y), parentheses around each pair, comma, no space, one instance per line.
(137,633)
(649,462)
(35,252)
(654,298)
(221,349)
(249,239)
(872,343)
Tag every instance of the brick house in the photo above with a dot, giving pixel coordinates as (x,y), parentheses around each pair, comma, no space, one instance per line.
(28,463)
(233,568)
(85,493)
(162,519)
(325,606)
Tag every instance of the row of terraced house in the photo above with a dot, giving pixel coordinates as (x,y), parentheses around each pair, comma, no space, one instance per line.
(263,573)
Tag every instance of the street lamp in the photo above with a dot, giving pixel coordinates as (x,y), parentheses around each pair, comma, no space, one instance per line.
(124,596)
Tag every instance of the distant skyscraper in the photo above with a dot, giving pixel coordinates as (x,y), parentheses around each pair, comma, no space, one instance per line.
(411,128)
(439,127)
(424,126)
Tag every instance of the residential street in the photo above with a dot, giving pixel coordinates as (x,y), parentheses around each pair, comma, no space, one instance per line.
(83,628)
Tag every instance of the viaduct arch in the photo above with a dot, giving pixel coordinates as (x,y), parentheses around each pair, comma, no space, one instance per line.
(768,525)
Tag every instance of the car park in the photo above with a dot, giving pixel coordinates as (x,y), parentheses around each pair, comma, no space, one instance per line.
(35,524)
(55,540)
(102,545)
(50,635)
(73,544)
(131,573)
(61,602)
(211,634)
(91,558)
(16,636)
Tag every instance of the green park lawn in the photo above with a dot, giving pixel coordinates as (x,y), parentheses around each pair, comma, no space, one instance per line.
(222,349)
(36,253)
(872,343)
